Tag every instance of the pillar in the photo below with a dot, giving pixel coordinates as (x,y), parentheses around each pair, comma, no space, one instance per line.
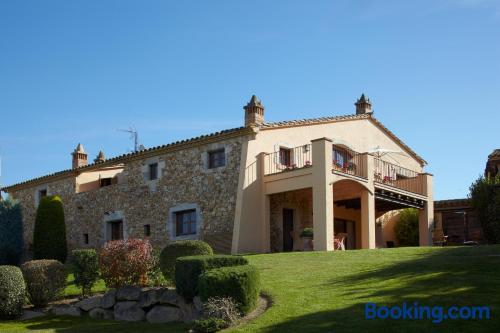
(368,204)
(426,215)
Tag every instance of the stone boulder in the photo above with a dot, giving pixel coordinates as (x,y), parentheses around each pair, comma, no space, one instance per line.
(89,303)
(198,304)
(66,310)
(129,311)
(108,299)
(169,296)
(128,293)
(163,314)
(100,313)
(150,297)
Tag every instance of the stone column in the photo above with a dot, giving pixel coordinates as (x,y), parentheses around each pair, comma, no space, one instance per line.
(322,194)
(426,215)
(368,205)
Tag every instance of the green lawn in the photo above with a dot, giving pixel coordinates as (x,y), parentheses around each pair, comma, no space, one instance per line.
(73,290)
(326,292)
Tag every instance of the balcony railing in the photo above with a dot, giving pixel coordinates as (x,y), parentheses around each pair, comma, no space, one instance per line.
(348,161)
(396,176)
(288,159)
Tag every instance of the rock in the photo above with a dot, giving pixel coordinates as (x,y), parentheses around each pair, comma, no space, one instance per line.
(129,311)
(163,314)
(188,311)
(66,310)
(150,297)
(128,293)
(89,303)
(108,299)
(169,296)
(27,314)
(198,304)
(100,313)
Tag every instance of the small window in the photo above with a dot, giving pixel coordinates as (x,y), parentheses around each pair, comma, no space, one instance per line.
(147,230)
(216,158)
(85,238)
(116,230)
(185,222)
(42,193)
(285,156)
(153,171)
(106,182)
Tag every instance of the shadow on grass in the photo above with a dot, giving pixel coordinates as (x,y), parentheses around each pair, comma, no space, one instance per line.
(459,276)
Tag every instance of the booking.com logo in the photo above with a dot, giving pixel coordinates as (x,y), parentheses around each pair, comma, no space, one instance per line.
(415,311)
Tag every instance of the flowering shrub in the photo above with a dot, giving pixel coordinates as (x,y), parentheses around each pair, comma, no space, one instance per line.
(125,262)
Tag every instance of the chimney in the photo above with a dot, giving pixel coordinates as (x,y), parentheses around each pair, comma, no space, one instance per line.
(79,157)
(254,112)
(363,105)
(100,157)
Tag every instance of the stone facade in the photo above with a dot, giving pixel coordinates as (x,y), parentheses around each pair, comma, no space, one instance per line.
(183,179)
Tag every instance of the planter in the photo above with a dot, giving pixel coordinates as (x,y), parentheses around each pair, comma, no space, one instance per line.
(307,243)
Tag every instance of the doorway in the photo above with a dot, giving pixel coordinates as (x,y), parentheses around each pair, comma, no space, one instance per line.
(287,230)
(348,227)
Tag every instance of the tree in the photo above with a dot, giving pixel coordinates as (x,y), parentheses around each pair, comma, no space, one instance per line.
(485,197)
(406,228)
(11,233)
(49,236)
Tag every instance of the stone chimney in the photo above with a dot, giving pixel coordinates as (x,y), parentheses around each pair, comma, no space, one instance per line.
(79,157)
(100,157)
(363,105)
(254,112)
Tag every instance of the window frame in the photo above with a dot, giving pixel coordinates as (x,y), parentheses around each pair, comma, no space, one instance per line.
(181,223)
(147,230)
(153,166)
(216,158)
(285,156)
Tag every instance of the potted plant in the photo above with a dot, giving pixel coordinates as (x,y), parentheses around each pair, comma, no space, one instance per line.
(307,239)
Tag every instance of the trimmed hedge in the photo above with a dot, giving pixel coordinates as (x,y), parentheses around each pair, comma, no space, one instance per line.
(45,280)
(178,249)
(86,269)
(209,325)
(188,270)
(49,235)
(241,283)
(12,291)
(11,233)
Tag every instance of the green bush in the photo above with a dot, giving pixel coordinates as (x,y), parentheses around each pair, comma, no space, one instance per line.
(45,280)
(11,233)
(49,236)
(406,227)
(12,291)
(485,197)
(307,232)
(241,283)
(178,249)
(188,270)
(209,325)
(86,269)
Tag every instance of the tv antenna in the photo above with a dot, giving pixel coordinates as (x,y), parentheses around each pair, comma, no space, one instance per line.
(133,135)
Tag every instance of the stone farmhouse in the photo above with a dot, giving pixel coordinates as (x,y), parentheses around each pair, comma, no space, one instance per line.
(247,189)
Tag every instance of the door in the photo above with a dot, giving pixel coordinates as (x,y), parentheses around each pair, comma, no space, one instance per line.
(287,230)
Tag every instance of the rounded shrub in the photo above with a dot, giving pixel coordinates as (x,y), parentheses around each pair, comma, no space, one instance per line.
(406,228)
(86,269)
(49,235)
(45,280)
(189,269)
(209,325)
(241,283)
(12,291)
(11,233)
(125,262)
(178,249)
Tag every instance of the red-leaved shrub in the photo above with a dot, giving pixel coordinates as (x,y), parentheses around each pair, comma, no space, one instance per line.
(125,262)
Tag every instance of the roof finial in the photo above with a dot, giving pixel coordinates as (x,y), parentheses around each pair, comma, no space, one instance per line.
(100,157)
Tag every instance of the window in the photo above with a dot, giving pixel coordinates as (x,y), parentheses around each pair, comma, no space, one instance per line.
(116,228)
(185,222)
(285,156)
(216,158)
(153,171)
(42,193)
(147,230)
(85,238)
(106,182)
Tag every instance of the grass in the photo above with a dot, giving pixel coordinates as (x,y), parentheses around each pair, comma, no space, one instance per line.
(326,292)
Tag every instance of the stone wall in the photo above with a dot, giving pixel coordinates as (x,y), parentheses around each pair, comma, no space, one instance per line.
(184,179)
(301,202)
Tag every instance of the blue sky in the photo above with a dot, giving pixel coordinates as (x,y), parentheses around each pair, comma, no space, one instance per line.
(76,71)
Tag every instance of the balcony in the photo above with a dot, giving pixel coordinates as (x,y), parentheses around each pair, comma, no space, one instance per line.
(393,175)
